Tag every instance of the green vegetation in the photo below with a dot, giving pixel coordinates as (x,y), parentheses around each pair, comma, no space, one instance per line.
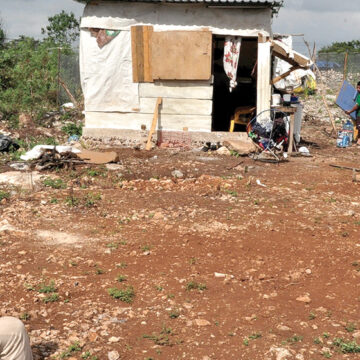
(161,339)
(72,129)
(75,347)
(29,69)
(341,47)
(4,195)
(192,285)
(54,183)
(47,289)
(121,278)
(126,295)
(346,347)
(51,298)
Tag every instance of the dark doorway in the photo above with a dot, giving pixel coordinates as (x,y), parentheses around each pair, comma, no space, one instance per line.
(224,101)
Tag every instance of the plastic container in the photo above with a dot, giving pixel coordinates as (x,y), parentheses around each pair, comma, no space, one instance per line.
(343,139)
(349,128)
(287,99)
(276,99)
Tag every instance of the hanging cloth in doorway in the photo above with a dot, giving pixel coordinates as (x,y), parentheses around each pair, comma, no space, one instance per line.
(231,58)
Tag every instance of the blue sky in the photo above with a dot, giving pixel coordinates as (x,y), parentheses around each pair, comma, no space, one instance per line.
(322,21)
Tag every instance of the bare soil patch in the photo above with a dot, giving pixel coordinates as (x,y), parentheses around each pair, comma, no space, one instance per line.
(210,266)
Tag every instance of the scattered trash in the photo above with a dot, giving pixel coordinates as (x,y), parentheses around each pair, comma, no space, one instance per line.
(259,183)
(67,106)
(211,146)
(304,151)
(6,142)
(73,138)
(38,150)
(21,166)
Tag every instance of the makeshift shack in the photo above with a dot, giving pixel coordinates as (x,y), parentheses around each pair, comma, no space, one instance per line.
(204,58)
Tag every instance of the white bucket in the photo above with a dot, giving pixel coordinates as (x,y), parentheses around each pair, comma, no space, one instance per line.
(276,99)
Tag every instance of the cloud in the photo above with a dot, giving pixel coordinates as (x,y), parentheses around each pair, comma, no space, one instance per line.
(322,27)
(322,5)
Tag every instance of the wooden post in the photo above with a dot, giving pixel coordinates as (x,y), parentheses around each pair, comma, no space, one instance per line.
(291,133)
(324,99)
(154,122)
(58,87)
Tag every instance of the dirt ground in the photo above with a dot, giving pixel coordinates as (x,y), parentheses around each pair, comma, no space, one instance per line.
(211,266)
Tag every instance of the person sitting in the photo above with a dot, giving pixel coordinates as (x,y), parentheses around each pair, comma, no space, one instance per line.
(14,340)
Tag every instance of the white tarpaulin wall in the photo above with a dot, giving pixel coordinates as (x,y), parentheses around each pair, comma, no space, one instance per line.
(106,74)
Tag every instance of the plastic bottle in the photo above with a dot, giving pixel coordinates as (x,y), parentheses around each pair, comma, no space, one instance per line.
(349,128)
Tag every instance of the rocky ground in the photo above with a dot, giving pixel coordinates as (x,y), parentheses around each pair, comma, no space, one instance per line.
(174,254)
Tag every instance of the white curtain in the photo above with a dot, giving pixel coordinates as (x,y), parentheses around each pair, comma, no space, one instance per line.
(231,58)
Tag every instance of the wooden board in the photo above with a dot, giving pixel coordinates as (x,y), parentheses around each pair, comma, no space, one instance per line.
(179,90)
(141,53)
(177,106)
(181,55)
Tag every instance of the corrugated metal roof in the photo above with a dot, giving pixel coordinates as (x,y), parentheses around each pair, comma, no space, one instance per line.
(266,3)
(275,5)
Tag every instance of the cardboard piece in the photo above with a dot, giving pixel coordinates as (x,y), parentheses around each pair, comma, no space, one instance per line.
(97,157)
(346,98)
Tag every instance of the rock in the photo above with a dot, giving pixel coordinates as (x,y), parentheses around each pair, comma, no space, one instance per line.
(114,339)
(356,335)
(115,167)
(308,271)
(304,298)
(24,180)
(242,147)
(113,355)
(281,353)
(223,151)
(283,327)
(177,174)
(201,322)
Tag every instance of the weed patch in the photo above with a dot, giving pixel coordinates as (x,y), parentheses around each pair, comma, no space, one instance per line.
(126,295)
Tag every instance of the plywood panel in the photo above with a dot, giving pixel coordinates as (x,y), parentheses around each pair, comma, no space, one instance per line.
(132,121)
(177,106)
(181,55)
(141,53)
(179,90)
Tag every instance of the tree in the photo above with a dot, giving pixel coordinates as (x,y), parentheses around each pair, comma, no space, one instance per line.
(341,47)
(2,34)
(63,29)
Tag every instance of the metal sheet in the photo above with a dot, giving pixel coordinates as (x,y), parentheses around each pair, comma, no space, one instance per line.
(346,98)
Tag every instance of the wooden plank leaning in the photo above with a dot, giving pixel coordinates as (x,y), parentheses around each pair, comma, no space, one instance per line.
(154,122)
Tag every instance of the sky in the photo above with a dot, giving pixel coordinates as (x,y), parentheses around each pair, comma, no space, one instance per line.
(321,21)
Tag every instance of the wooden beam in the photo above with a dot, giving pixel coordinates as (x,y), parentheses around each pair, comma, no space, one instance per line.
(141,53)
(153,124)
(284,75)
(285,58)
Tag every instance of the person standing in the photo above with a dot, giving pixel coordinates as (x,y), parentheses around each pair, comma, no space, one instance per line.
(14,340)
(356,108)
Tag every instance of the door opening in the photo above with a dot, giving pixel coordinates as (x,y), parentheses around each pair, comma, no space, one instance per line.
(244,95)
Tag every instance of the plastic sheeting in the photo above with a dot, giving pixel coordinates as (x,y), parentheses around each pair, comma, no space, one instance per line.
(106,74)
(294,80)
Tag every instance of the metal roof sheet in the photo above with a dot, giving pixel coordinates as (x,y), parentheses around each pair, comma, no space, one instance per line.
(266,3)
